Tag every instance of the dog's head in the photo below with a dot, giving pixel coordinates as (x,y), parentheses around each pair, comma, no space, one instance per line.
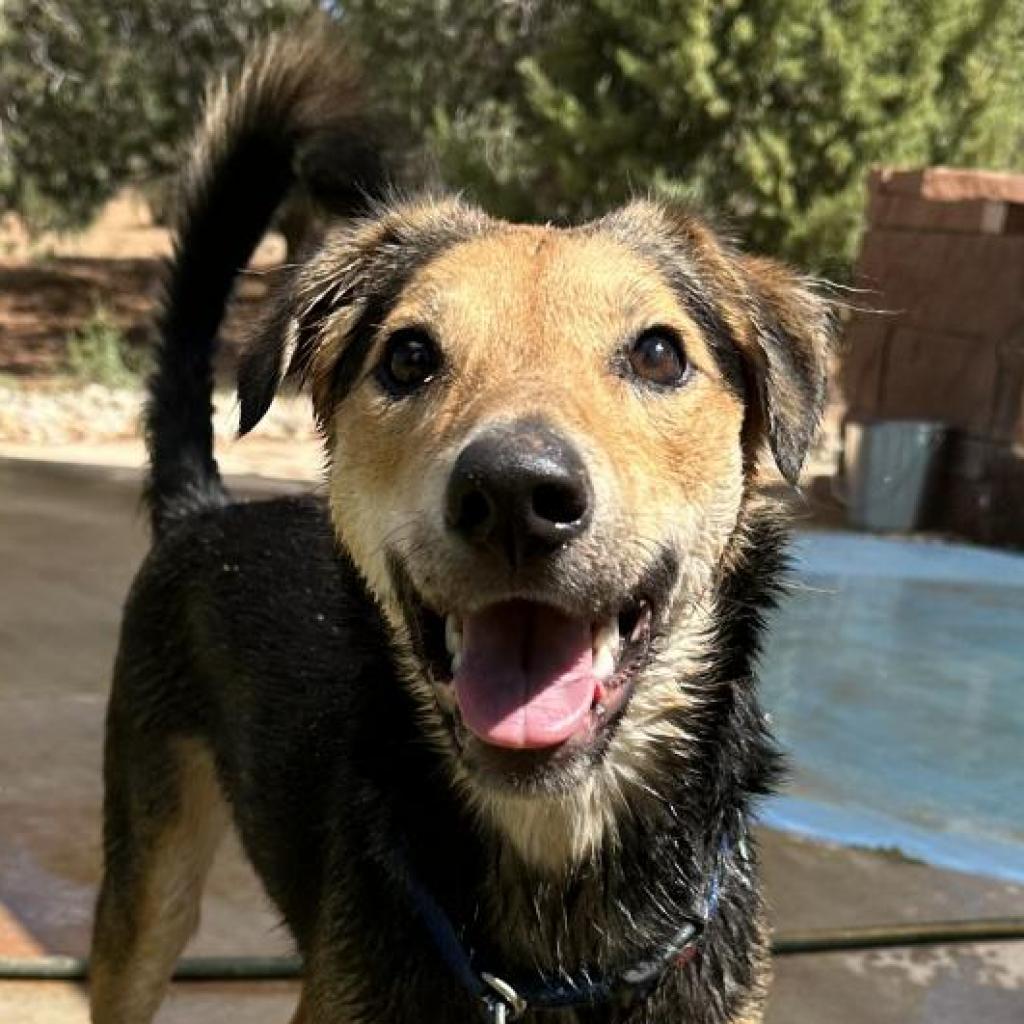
(540,445)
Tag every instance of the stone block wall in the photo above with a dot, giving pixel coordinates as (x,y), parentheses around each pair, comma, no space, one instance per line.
(942,268)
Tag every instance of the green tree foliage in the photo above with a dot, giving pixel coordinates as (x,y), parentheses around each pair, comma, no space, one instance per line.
(767,111)
(94,93)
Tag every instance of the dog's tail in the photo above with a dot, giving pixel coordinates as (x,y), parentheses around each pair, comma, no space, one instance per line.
(292,114)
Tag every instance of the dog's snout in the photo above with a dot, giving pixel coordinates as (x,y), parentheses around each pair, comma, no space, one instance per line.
(522,489)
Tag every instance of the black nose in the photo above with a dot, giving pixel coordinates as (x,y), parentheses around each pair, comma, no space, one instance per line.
(521,489)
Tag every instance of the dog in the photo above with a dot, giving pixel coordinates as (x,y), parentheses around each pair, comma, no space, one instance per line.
(483,711)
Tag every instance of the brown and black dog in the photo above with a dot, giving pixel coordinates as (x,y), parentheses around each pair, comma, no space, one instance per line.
(485,717)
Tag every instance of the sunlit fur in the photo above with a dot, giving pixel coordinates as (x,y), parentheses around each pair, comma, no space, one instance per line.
(269,664)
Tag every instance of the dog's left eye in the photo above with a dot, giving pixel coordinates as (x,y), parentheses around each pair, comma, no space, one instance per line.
(657,357)
(411,358)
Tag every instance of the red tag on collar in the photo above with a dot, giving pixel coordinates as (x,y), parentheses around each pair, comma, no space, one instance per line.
(686,955)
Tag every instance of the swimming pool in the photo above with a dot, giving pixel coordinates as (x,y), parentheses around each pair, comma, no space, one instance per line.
(894,676)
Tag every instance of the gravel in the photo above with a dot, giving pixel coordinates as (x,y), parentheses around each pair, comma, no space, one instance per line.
(59,412)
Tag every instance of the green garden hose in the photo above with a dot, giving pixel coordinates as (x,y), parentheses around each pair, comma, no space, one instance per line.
(824,940)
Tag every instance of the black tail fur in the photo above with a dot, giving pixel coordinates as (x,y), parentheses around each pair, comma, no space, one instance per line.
(292,113)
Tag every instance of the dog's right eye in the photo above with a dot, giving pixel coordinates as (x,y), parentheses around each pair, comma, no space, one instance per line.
(411,359)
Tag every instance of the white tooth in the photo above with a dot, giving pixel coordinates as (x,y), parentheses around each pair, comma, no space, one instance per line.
(456,662)
(453,634)
(604,664)
(642,623)
(606,648)
(607,635)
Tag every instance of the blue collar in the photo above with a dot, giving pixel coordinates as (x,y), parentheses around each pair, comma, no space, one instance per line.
(504,1000)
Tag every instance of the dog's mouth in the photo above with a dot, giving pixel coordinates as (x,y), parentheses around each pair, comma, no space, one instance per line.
(525,684)
(528,676)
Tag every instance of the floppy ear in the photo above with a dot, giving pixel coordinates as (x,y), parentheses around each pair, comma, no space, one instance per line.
(332,293)
(265,362)
(773,320)
(793,330)
(323,321)
(325,288)
(286,342)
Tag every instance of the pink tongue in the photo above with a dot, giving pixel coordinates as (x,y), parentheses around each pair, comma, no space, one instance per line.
(526,679)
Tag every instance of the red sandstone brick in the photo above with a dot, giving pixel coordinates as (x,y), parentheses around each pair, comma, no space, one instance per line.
(965,284)
(863,364)
(982,492)
(935,376)
(950,184)
(1008,402)
(972,216)
(1014,219)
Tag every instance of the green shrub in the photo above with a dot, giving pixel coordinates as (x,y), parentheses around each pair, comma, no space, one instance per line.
(769,112)
(98,353)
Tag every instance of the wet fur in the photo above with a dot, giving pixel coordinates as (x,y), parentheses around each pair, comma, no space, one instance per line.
(268,662)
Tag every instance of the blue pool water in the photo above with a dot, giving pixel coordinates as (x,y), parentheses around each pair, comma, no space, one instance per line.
(895,679)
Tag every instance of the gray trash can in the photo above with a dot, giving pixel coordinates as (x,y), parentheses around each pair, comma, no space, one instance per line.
(890,467)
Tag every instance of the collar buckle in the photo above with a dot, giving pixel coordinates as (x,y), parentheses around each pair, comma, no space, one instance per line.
(506,1004)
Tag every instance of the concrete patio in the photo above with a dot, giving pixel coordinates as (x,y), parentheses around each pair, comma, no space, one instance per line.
(70,538)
